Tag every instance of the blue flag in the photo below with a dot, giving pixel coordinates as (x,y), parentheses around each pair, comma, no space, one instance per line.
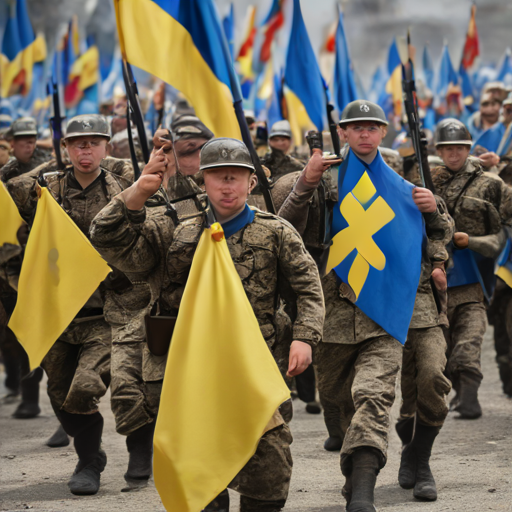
(428,68)
(446,74)
(490,139)
(345,90)
(378,235)
(228,24)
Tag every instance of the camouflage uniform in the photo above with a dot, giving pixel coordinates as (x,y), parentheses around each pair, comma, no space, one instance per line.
(357,361)
(76,385)
(131,241)
(280,163)
(480,204)
(14,168)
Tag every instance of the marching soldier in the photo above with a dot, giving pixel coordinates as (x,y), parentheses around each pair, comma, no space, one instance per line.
(357,361)
(78,364)
(480,204)
(277,160)
(256,240)
(26,155)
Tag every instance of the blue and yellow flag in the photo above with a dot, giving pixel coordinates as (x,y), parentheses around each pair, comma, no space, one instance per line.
(504,264)
(304,92)
(182,42)
(221,385)
(345,89)
(377,234)
(20,49)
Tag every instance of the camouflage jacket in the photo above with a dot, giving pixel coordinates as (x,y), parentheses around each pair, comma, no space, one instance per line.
(345,322)
(271,261)
(118,174)
(14,168)
(479,202)
(280,163)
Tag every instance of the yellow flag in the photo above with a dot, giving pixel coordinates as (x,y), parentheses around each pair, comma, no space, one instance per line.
(10,218)
(221,385)
(505,274)
(60,271)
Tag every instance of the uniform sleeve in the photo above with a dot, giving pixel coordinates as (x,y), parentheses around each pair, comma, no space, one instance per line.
(489,246)
(127,239)
(23,192)
(440,228)
(506,204)
(295,207)
(302,275)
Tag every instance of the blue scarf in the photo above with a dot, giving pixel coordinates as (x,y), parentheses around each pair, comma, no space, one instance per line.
(246,216)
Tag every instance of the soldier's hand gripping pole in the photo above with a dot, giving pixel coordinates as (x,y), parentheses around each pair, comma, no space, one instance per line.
(413,120)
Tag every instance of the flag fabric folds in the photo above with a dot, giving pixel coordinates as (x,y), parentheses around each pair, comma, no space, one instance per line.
(182,42)
(305,93)
(377,239)
(11,219)
(20,49)
(428,68)
(221,385)
(344,83)
(228,24)
(60,271)
(472,45)
(394,84)
(446,75)
(245,54)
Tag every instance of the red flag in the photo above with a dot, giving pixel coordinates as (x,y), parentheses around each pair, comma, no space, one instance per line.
(472,46)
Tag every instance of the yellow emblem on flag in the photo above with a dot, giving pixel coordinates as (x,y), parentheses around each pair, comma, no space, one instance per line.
(11,219)
(60,271)
(221,385)
(362,225)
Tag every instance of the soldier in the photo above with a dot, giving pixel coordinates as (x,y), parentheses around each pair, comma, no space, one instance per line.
(254,238)
(486,117)
(357,361)
(480,204)
(133,371)
(78,364)
(277,160)
(27,155)
(4,150)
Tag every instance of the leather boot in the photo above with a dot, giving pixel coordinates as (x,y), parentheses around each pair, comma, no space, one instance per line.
(365,468)
(140,464)
(335,440)
(468,406)
(58,439)
(505,370)
(346,490)
(405,429)
(29,407)
(424,437)
(219,504)
(251,505)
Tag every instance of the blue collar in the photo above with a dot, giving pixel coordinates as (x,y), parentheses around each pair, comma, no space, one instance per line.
(246,216)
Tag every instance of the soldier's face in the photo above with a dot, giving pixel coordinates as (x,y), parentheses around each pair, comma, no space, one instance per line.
(86,153)
(364,137)
(227,189)
(490,109)
(4,152)
(281,143)
(454,155)
(187,153)
(23,148)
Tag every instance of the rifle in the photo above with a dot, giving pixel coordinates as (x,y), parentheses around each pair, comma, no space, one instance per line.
(56,121)
(413,119)
(133,107)
(333,129)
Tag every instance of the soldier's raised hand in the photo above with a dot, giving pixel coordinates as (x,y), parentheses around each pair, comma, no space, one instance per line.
(316,166)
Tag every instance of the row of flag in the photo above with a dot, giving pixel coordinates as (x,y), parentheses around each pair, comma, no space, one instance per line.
(277,69)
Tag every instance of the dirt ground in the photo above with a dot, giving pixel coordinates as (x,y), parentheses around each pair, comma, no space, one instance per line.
(471,462)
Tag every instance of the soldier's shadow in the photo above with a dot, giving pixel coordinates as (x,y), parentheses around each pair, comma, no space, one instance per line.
(393,494)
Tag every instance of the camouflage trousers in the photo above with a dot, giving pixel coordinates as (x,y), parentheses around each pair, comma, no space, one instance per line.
(468,322)
(424,385)
(78,367)
(356,383)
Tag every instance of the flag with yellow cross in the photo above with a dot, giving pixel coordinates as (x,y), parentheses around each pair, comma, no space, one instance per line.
(377,238)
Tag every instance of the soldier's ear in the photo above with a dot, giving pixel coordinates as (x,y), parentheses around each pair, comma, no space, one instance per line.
(384,130)
(253,181)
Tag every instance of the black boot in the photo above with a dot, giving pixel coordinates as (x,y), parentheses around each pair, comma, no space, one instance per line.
(219,504)
(407,471)
(505,372)
(58,439)
(29,407)
(140,464)
(86,478)
(251,505)
(333,444)
(86,429)
(405,429)
(346,490)
(424,437)
(313,408)
(365,468)
(468,406)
